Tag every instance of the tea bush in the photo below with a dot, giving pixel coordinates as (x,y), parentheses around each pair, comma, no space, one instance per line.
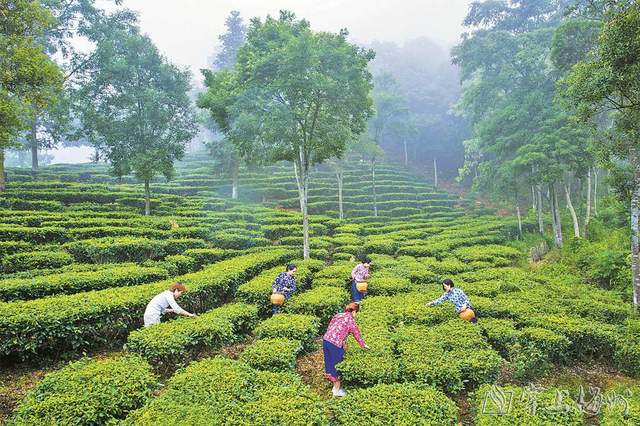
(277,354)
(100,391)
(395,404)
(35,260)
(322,302)
(302,328)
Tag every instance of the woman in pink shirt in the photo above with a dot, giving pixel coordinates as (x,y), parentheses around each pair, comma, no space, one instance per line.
(359,273)
(340,326)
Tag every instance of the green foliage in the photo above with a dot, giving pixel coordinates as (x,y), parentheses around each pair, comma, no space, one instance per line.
(396,404)
(322,302)
(217,391)
(117,249)
(71,322)
(277,354)
(75,282)
(298,327)
(173,344)
(35,260)
(100,391)
(623,408)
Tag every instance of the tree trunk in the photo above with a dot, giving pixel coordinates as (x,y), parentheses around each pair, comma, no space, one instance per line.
(147,198)
(3,184)
(33,138)
(587,219)
(574,217)
(539,210)
(635,199)
(406,154)
(340,178)
(234,181)
(302,179)
(373,180)
(533,198)
(435,172)
(519,218)
(555,214)
(595,191)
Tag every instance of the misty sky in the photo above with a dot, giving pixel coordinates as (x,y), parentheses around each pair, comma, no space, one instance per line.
(186,31)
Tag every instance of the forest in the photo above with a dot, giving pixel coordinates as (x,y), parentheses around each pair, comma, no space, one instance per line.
(315,228)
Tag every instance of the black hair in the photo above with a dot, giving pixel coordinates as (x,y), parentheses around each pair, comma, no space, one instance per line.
(365,259)
(291,266)
(447,282)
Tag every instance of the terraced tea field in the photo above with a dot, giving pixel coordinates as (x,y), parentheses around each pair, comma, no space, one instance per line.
(80,262)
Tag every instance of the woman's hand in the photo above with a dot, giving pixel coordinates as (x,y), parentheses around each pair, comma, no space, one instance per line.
(169,311)
(430,304)
(366,347)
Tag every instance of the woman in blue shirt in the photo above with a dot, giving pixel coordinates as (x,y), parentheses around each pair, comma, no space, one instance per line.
(455,296)
(285,283)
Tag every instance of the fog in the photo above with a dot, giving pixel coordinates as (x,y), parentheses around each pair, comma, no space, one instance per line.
(186,32)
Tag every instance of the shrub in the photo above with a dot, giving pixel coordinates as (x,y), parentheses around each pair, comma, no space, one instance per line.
(116,249)
(302,328)
(180,245)
(12,247)
(387,283)
(88,392)
(206,256)
(72,322)
(322,302)
(75,282)
(222,391)
(35,260)
(276,354)
(511,405)
(42,235)
(396,404)
(172,344)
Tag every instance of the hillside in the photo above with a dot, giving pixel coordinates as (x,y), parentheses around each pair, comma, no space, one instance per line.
(80,262)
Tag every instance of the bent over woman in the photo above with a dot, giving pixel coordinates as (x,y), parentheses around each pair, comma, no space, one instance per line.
(340,326)
(165,303)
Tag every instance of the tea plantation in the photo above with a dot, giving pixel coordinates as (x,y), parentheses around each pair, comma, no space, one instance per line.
(80,261)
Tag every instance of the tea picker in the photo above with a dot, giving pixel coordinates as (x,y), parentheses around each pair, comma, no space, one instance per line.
(165,303)
(459,300)
(283,287)
(340,326)
(359,277)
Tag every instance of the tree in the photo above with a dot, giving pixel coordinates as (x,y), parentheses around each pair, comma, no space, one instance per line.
(509,96)
(368,147)
(51,125)
(28,77)
(225,154)
(295,95)
(607,84)
(136,106)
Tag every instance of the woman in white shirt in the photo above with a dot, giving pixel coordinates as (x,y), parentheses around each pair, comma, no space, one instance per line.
(164,303)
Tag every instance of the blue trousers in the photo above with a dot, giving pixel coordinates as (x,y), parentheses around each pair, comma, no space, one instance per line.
(356,296)
(332,356)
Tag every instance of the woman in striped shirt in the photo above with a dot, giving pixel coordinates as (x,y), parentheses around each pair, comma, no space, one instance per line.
(340,326)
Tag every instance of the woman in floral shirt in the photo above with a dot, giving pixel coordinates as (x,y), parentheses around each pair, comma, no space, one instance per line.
(285,283)
(455,296)
(359,273)
(340,326)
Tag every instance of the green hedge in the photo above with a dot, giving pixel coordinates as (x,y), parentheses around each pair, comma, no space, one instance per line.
(623,407)
(35,260)
(117,249)
(322,302)
(72,322)
(172,344)
(44,235)
(205,256)
(88,392)
(222,391)
(75,282)
(302,328)
(404,404)
(277,354)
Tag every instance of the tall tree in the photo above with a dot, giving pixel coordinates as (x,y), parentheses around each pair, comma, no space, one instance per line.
(49,126)
(29,79)
(225,154)
(137,106)
(296,95)
(607,84)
